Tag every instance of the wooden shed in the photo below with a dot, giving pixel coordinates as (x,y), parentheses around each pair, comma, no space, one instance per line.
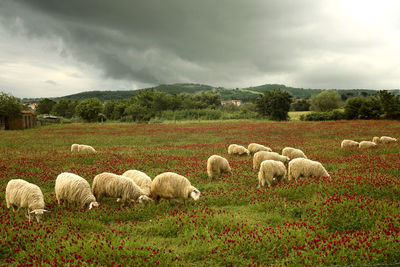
(27,119)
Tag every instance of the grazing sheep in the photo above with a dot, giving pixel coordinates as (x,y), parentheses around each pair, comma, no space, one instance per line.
(173,186)
(237,150)
(72,187)
(271,171)
(141,179)
(86,149)
(254,147)
(74,148)
(306,167)
(21,194)
(366,144)
(376,140)
(111,185)
(387,139)
(264,155)
(293,153)
(216,165)
(348,144)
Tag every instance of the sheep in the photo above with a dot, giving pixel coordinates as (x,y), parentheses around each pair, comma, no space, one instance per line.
(271,171)
(366,144)
(216,165)
(141,179)
(254,147)
(376,140)
(74,147)
(239,150)
(72,187)
(387,139)
(293,153)
(264,155)
(348,144)
(306,167)
(86,149)
(113,185)
(21,194)
(172,186)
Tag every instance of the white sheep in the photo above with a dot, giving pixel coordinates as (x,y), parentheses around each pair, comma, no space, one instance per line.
(264,155)
(141,179)
(376,140)
(172,186)
(254,147)
(271,171)
(112,185)
(238,150)
(216,165)
(349,144)
(74,147)
(366,144)
(74,188)
(387,139)
(306,168)
(21,194)
(86,149)
(293,153)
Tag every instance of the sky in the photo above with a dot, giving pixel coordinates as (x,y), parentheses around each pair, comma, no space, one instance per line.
(51,48)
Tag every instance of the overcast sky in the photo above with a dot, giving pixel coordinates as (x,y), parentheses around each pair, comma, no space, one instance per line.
(60,47)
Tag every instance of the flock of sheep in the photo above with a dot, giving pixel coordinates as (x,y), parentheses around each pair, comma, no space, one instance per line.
(136,185)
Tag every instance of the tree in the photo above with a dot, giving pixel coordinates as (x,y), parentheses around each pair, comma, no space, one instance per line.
(371,109)
(274,104)
(9,106)
(45,106)
(89,109)
(302,105)
(230,107)
(390,104)
(325,101)
(352,107)
(64,108)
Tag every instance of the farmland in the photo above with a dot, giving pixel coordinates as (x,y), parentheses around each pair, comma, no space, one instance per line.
(352,219)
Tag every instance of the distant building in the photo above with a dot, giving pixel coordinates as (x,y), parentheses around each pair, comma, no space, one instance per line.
(235,102)
(32,106)
(26,120)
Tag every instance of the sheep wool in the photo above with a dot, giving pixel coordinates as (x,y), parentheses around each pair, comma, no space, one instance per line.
(366,144)
(293,153)
(112,185)
(74,147)
(86,149)
(271,171)
(376,139)
(74,188)
(387,139)
(172,186)
(349,144)
(217,165)
(264,155)
(234,149)
(141,179)
(21,194)
(305,167)
(254,147)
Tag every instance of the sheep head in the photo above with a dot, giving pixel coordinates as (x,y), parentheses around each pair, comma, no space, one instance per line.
(195,194)
(38,214)
(143,199)
(93,204)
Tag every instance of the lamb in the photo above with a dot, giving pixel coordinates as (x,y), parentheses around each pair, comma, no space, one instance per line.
(86,149)
(172,186)
(306,167)
(366,144)
(349,144)
(238,150)
(254,147)
(387,139)
(21,194)
(141,179)
(293,153)
(74,147)
(271,171)
(216,165)
(72,187)
(264,155)
(111,185)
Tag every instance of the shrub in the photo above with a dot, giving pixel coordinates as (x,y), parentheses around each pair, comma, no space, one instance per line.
(333,115)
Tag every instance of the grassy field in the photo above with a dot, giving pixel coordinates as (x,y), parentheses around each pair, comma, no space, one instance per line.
(352,219)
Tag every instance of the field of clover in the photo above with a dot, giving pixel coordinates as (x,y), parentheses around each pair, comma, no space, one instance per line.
(354,218)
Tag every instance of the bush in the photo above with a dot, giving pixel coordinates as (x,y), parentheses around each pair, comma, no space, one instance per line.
(333,115)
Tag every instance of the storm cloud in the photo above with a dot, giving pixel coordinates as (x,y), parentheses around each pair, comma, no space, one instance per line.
(110,45)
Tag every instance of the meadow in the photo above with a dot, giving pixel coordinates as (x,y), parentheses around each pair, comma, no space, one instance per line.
(352,219)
